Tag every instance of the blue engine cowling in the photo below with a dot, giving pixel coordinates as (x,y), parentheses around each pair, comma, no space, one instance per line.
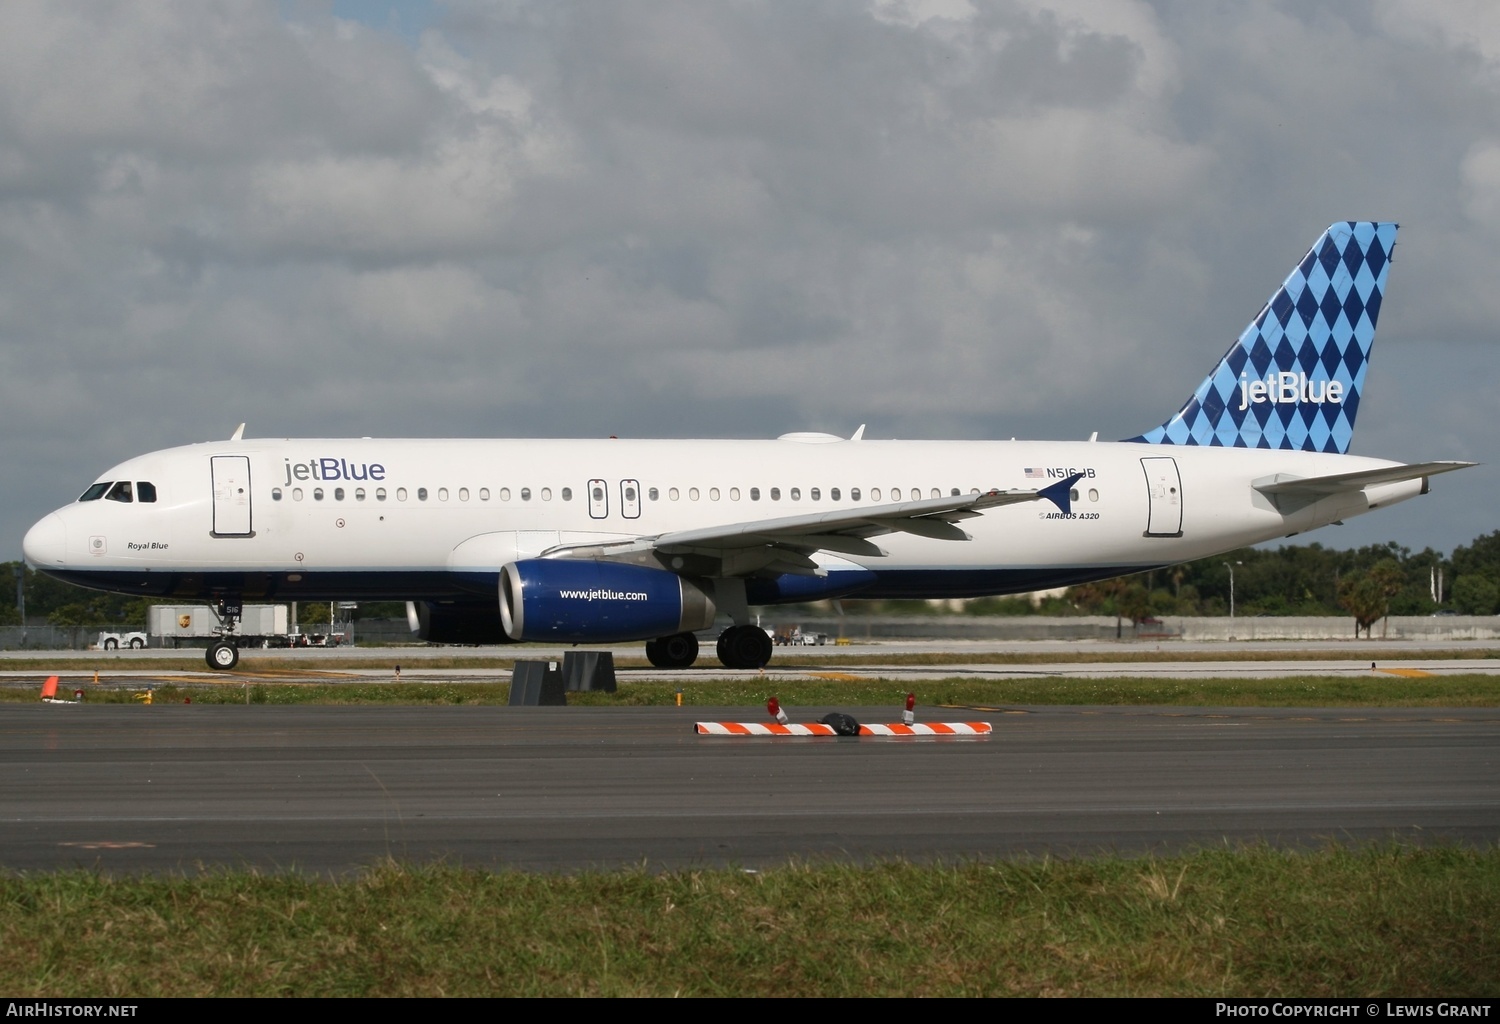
(598,602)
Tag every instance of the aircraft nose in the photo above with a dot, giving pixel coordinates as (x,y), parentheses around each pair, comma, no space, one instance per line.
(46,543)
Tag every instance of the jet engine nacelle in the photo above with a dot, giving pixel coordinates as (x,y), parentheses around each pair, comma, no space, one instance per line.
(443,622)
(598,602)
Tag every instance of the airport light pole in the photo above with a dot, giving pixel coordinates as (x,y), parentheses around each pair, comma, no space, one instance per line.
(21,599)
(1231,586)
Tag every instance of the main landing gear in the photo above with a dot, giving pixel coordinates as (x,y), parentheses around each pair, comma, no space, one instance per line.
(679,650)
(744,647)
(739,647)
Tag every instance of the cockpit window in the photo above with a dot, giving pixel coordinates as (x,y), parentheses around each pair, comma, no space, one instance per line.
(145,491)
(119,492)
(95,492)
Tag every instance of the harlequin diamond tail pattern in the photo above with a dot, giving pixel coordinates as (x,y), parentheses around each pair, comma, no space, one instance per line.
(1294,378)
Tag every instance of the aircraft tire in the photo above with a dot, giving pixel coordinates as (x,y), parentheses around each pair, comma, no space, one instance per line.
(744,647)
(222,656)
(679,650)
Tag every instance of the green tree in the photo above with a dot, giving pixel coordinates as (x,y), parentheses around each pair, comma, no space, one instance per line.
(1367,595)
(1476,595)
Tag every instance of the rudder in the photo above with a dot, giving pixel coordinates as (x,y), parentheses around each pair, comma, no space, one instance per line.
(1293,379)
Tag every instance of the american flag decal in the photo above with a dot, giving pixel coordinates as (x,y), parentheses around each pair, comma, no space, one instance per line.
(1035,474)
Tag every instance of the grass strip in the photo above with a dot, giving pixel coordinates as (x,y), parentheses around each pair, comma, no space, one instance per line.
(1374,690)
(1373,921)
(257,661)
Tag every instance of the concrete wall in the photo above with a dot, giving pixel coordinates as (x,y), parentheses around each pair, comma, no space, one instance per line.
(1096,627)
(967,627)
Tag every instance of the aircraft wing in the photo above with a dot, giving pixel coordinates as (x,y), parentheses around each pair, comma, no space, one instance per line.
(785,544)
(1319,486)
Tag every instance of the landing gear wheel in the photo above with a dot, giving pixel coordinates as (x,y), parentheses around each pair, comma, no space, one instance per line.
(679,650)
(222,656)
(744,647)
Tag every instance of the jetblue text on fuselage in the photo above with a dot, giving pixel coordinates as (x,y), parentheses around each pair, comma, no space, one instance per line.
(327,468)
(1287,387)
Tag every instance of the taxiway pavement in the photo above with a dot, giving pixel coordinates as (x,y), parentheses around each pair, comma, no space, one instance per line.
(170,788)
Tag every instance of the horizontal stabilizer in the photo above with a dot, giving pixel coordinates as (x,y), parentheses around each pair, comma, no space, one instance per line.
(1317,486)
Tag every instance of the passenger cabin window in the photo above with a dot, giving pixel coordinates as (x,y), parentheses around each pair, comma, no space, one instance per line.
(421,494)
(95,491)
(145,491)
(567,494)
(120,491)
(276,494)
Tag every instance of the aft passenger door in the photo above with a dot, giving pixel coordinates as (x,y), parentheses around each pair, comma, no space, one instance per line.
(1164,490)
(231,481)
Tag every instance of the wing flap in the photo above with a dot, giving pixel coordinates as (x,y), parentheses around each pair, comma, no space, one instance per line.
(843,531)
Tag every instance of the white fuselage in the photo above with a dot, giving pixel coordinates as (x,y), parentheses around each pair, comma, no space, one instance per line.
(437,519)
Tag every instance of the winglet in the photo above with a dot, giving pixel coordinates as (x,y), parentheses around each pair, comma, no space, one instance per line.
(239,432)
(859,434)
(1060,493)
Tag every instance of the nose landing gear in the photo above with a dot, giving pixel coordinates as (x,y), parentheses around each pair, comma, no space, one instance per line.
(224,653)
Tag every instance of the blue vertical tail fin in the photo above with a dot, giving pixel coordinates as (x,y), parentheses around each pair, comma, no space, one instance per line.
(1293,380)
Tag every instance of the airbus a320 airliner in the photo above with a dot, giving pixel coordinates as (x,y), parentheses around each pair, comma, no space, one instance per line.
(608,541)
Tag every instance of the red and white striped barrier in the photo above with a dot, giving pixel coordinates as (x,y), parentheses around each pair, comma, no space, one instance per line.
(818,729)
(932,729)
(763,729)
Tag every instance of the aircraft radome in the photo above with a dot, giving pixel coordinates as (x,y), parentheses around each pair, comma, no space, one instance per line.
(607,541)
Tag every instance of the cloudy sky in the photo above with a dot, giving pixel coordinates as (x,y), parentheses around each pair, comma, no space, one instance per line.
(942,218)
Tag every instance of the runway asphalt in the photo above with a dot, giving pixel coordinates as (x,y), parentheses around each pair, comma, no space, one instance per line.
(175,788)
